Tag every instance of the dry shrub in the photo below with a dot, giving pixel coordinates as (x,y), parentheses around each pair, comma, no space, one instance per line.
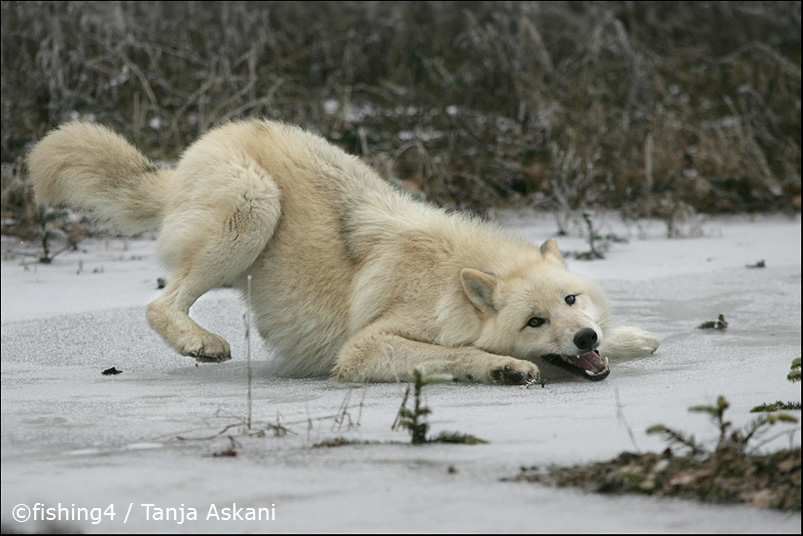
(472,103)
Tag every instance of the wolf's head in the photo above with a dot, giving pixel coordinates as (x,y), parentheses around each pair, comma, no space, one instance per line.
(540,309)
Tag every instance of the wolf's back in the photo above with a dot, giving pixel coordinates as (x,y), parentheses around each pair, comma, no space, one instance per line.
(89,167)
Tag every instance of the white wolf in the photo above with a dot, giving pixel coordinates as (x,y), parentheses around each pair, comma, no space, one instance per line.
(350,276)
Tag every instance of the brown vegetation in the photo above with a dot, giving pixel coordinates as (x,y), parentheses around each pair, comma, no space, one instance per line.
(557,105)
(765,480)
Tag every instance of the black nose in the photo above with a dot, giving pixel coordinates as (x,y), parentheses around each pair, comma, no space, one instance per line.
(585,339)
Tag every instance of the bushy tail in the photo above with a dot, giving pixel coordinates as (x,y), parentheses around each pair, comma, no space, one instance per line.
(89,167)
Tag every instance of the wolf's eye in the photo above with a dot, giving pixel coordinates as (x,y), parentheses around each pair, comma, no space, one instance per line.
(570,299)
(535,322)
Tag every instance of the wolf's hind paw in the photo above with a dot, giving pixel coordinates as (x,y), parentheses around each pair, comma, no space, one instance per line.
(212,349)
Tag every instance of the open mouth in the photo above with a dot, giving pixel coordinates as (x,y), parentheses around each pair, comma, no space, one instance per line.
(590,366)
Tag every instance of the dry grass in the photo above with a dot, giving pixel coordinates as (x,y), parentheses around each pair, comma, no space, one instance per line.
(557,105)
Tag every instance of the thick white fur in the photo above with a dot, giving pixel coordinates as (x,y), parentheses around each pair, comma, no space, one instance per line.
(349,275)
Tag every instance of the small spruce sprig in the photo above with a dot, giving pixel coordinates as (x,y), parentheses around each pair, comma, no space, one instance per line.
(598,244)
(794,377)
(794,373)
(597,247)
(596,250)
(778,405)
(415,420)
(730,438)
(47,222)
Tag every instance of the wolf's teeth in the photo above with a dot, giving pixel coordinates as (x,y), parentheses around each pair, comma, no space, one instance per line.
(589,373)
(605,360)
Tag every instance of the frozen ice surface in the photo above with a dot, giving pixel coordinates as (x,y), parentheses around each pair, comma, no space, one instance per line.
(75,438)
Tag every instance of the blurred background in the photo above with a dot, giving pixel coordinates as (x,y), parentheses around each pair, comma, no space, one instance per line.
(648,108)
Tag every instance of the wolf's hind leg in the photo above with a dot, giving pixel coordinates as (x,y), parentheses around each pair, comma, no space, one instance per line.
(209,244)
(377,356)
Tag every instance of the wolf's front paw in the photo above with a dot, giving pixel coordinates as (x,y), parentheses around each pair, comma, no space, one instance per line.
(514,372)
(209,349)
(627,341)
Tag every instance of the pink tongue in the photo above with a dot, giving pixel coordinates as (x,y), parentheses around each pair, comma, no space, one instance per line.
(590,361)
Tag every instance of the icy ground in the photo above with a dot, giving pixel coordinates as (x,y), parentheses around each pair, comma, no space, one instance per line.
(74,438)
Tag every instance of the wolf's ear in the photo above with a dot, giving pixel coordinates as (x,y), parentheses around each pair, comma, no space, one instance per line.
(549,250)
(479,288)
